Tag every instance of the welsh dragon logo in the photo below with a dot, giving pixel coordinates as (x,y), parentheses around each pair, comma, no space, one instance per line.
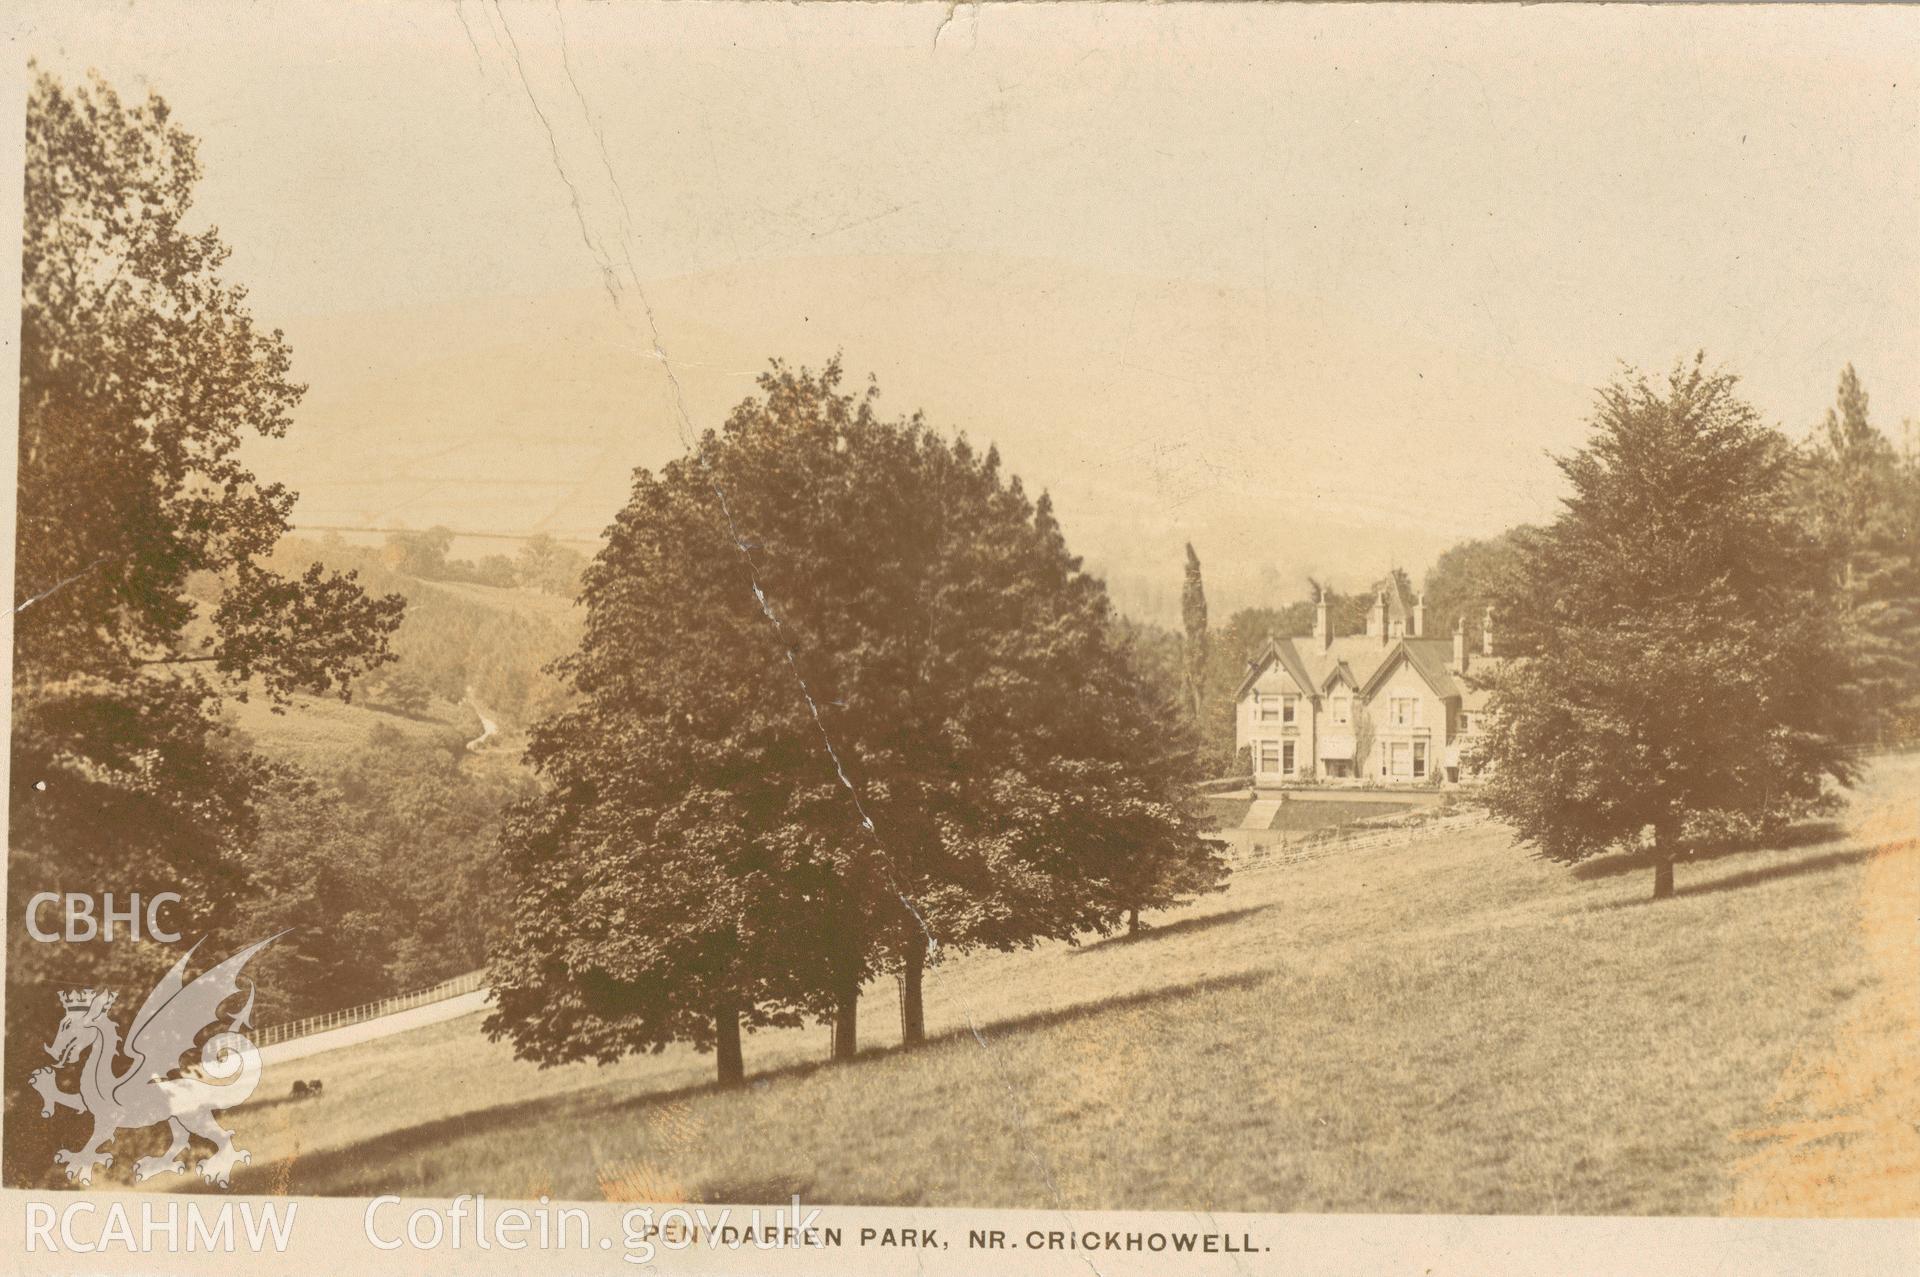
(154,1087)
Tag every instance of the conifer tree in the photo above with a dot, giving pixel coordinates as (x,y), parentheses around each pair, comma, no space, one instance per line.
(1865,500)
(1193,618)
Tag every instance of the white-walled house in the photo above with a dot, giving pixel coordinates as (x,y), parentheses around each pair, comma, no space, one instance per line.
(1391,706)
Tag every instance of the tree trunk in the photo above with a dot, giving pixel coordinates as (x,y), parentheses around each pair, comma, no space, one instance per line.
(726,1028)
(1663,850)
(1133,922)
(846,1023)
(913,1011)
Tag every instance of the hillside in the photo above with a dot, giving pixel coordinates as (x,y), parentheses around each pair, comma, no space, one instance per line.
(1443,1026)
(469,649)
(317,732)
(1135,400)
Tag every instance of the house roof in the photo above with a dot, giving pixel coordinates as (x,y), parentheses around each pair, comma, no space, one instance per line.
(1283,651)
(1340,673)
(1364,658)
(1398,609)
(1474,693)
(1429,658)
(1362,661)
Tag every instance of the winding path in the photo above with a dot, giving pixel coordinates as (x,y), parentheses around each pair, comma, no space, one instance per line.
(488,728)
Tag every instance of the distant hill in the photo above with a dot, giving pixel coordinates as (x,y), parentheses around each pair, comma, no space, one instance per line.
(1282,435)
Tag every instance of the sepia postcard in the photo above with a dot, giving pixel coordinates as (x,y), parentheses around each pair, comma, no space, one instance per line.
(940,638)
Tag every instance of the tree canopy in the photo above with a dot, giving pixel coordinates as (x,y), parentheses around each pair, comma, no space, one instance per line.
(844,702)
(144,595)
(141,370)
(143,541)
(1674,650)
(1462,582)
(1864,500)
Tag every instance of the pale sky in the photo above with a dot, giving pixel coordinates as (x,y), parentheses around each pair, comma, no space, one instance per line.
(1315,288)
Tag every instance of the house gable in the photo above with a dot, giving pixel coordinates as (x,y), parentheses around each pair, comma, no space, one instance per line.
(1278,656)
(1384,704)
(1437,679)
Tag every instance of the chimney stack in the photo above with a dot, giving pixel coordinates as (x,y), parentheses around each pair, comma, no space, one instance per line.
(1459,645)
(1377,618)
(1322,630)
(1420,614)
(1486,634)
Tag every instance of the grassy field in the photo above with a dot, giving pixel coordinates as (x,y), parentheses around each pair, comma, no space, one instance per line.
(1445,1026)
(526,601)
(324,731)
(320,732)
(1302,816)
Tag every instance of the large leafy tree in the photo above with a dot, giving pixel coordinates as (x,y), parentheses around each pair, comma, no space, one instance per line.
(1134,796)
(1675,658)
(141,558)
(673,878)
(141,370)
(143,593)
(1462,581)
(843,703)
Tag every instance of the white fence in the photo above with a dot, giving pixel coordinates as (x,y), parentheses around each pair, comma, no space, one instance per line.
(372,1010)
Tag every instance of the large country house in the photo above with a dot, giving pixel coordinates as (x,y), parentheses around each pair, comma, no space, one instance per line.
(1391,706)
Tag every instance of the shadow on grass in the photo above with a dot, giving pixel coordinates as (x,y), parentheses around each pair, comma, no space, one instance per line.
(763,1191)
(1754,877)
(1810,834)
(1185,926)
(382,1163)
(282,1100)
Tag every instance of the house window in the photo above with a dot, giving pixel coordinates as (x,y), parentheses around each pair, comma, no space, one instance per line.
(1419,760)
(1269,756)
(1288,706)
(1286,757)
(1404,711)
(1342,709)
(1466,722)
(1269,712)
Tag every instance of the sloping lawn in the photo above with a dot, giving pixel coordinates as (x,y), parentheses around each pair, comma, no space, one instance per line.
(1446,1026)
